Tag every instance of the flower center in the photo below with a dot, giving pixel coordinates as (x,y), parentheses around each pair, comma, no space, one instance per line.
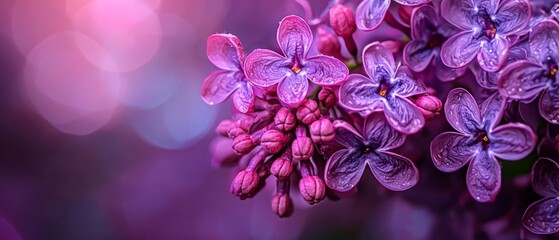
(296,67)
(383,90)
(436,40)
(482,137)
(553,68)
(367,150)
(490,29)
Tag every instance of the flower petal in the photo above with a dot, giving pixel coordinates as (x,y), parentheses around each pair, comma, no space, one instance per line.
(265,68)
(484,177)
(485,79)
(393,171)
(293,89)
(243,98)
(378,130)
(542,217)
(544,40)
(493,54)
(225,51)
(294,37)
(412,2)
(492,110)
(450,151)
(445,73)
(462,13)
(424,19)
(325,70)
(513,16)
(405,85)
(378,62)
(462,111)
(370,13)
(512,141)
(545,177)
(522,80)
(219,85)
(346,135)
(403,115)
(549,104)
(359,93)
(344,170)
(417,55)
(460,49)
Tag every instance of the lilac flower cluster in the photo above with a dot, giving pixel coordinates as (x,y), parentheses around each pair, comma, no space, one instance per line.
(320,119)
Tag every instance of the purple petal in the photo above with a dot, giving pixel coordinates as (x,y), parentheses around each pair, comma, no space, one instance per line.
(346,135)
(462,111)
(378,130)
(544,40)
(378,62)
(424,19)
(460,49)
(359,93)
(370,13)
(445,73)
(403,115)
(492,110)
(325,70)
(545,177)
(542,217)
(225,51)
(405,85)
(417,55)
(462,13)
(293,89)
(412,2)
(450,151)
(513,16)
(219,85)
(265,68)
(243,98)
(522,80)
(344,170)
(485,79)
(484,177)
(493,54)
(549,104)
(294,37)
(512,141)
(393,171)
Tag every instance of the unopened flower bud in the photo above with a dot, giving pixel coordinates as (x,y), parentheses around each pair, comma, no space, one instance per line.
(282,205)
(430,106)
(281,168)
(342,20)
(223,127)
(328,43)
(308,112)
(284,120)
(245,184)
(322,131)
(393,46)
(235,131)
(243,144)
(312,189)
(327,97)
(272,141)
(302,148)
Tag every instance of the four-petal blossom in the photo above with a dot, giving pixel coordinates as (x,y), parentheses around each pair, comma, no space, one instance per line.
(370,13)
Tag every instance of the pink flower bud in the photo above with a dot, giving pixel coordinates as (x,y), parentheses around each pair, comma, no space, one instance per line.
(342,20)
(243,144)
(327,97)
(430,106)
(393,46)
(328,43)
(235,131)
(302,148)
(245,184)
(223,127)
(322,131)
(281,168)
(282,205)
(308,112)
(272,141)
(284,120)
(312,189)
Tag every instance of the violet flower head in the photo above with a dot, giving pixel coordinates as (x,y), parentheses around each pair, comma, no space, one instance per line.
(489,80)
(292,70)
(386,89)
(524,80)
(370,13)
(542,217)
(486,24)
(428,33)
(369,144)
(478,141)
(225,51)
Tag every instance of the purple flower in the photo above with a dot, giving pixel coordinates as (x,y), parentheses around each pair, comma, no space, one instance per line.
(428,34)
(524,80)
(370,13)
(225,51)
(293,70)
(488,80)
(369,144)
(386,89)
(486,24)
(479,141)
(542,217)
